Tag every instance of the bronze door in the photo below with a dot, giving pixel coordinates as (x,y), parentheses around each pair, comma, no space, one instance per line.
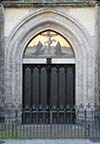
(48,85)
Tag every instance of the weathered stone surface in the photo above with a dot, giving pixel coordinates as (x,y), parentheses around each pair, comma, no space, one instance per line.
(98,44)
(1,53)
(79,38)
(54,19)
(43,3)
(85,16)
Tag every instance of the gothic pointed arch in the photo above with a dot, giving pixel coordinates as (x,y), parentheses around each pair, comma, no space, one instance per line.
(48,44)
(69,28)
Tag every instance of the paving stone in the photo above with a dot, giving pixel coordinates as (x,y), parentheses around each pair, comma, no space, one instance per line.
(62,141)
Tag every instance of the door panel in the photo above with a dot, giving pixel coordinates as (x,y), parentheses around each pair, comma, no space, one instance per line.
(27,88)
(43,86)
(61,86)
(52,84)
(53,90)
(48,85)
(35,88)
(70,86)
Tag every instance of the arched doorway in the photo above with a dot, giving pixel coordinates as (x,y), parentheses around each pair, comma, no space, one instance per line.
(48,73)
(71,30)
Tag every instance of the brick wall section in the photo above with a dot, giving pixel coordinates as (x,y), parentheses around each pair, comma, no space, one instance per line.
(1,53)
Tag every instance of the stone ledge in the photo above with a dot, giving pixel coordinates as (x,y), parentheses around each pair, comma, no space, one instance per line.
(44,3)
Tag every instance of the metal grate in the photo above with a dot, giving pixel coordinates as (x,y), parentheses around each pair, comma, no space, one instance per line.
(50,122)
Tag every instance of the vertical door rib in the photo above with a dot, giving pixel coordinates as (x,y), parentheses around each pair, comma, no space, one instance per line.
(53,96)
(43,86)
(35,86)
(27,87)
(61,88)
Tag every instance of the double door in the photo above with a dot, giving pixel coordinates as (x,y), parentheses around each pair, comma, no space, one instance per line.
(48,85)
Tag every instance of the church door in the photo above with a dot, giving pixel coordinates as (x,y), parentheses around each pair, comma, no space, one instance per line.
(48,76)
(48,85)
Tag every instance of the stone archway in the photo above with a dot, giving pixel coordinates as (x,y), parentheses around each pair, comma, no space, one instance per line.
(35,23)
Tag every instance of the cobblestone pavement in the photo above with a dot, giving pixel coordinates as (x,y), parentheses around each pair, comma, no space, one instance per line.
(70,141)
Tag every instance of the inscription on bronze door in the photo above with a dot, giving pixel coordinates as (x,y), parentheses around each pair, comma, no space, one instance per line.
(48,85)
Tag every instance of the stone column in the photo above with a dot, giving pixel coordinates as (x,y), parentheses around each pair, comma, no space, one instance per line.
(1,54)
(98,49)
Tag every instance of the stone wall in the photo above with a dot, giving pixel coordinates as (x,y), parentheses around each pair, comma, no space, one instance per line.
(77,24)
(68,27)
(85,16)
(1,53)
(98,41)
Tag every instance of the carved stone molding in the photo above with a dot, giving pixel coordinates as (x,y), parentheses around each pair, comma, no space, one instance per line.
(1,53)
(49,3)
(33,24)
